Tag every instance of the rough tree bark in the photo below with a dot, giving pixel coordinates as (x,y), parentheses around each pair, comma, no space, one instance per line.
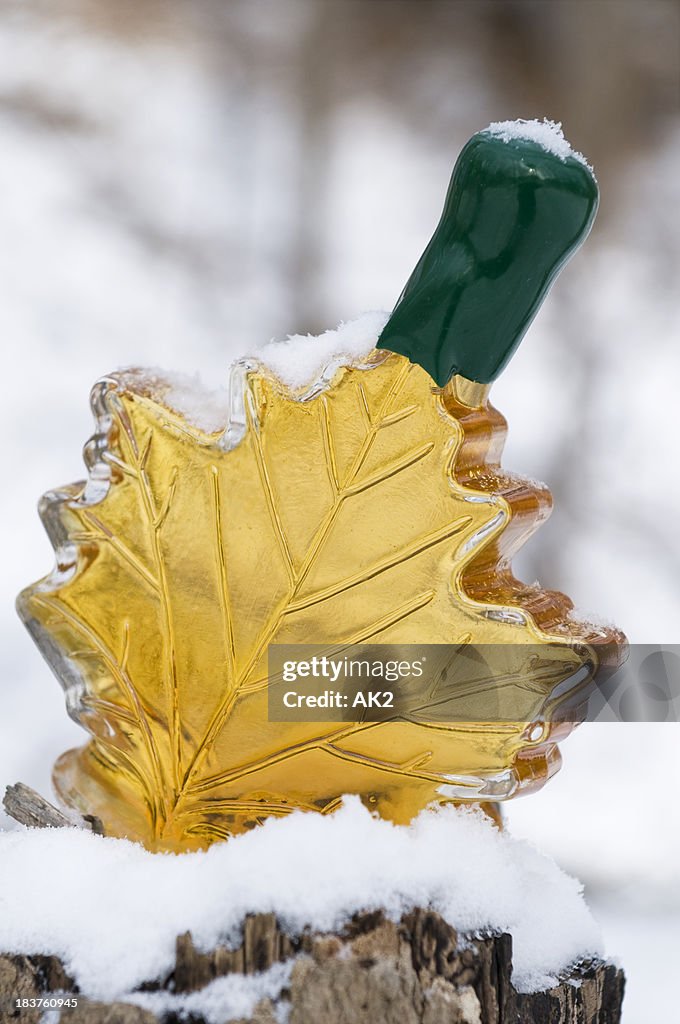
(376,971)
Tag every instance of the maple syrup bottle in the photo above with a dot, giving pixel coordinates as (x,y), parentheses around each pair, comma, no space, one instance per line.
(367,507)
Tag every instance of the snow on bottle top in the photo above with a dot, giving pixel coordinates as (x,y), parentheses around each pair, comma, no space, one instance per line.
(548,134)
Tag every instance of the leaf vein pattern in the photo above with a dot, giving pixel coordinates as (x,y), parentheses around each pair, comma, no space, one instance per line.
(271,628)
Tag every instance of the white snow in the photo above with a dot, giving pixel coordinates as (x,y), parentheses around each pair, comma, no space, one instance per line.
(299,361)
(115,914)
(301,358)
(186,393)
(645,940)
(205,408)
(546,133)
(231,997)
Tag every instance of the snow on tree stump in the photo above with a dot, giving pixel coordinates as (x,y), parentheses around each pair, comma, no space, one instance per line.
(376,971)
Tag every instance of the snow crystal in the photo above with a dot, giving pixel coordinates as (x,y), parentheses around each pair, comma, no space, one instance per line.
(231,997)
(188,395)
(115,914)
(547,134)
(585,617)
(299,360)
(302,357)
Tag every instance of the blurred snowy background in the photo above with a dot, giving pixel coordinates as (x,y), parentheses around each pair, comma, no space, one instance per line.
(184,180)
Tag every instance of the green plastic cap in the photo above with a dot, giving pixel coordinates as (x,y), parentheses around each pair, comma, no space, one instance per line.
(514,214)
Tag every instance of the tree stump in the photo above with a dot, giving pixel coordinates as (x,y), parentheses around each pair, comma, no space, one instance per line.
(375,971)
